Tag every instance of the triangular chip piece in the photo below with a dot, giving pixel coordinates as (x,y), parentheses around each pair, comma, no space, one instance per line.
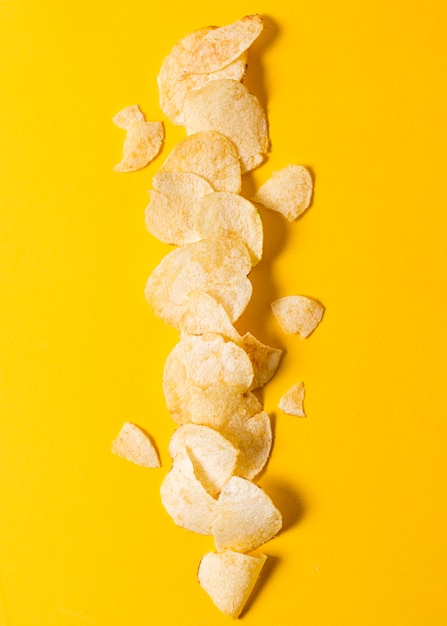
(134,445)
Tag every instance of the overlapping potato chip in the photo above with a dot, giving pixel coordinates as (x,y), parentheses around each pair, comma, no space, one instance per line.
(298,314)
(288,191)
(228,107)
(245,517)
(185,498)
(171,213)
(134,445)
(208,154)
(265,360)
(217,265)
(229,214)
(229,578)
(213,457)
(292,401)
(252,436)
(203,314)
(143,139)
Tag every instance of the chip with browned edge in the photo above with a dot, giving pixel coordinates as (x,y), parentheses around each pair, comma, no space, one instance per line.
(298,314)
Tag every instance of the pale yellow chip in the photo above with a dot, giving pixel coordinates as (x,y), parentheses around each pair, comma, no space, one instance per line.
(143,139)
(229,108)
(210,155)
(288,191)
(229,214)
(292,401)
(135,446)
(219,266)
(213,457)
(203,314)
(171,213)
(245,517)
(265,360)
(176,78)
(229,579)
(252,436)
(298,314)
(185,498)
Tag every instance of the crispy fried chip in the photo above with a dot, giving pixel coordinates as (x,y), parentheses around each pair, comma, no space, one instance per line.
(219,266)
(143,139)
(171,213)
(185,498)
(213,457)
(245,517)
(203,314)
(228,107)
(134,445)
(208,154)
(229,578)
(252,436)
(292,401)
(288,191)
(265,360)
(298,314)
(229,214)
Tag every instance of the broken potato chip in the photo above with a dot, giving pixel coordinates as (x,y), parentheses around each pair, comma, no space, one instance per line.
(298,314)
(288,191)
(143,139)
(135,446)
(292,401)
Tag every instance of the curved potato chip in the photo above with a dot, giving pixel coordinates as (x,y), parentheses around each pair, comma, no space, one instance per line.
(298,314)
(229,578)
(213,457)
(292,401)
(128,116)
(210,155)
(203,314)
(143,139)
(245,517)
(171,213)
(185,498)
(265,360)
(219,266)
(288,191)
(228,214)
(252,436)
(227,106)
(135,446)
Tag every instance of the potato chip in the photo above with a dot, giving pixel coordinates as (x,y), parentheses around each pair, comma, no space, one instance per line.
(265,360)
(227,106)
(171,213)
(252,437)
(219,266)
(292,401)
(245,517)
(213,457)
(229,579)
(298,314)
(135,446)
(185,498)
(203,314)
(210,155)
(143,139)
(228,214)
(288,191)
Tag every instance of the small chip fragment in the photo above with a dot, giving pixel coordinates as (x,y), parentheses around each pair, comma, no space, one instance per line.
(292,401)
(229,578)
(298,314)
(135,446)
(228,107)
(143,139)
(245,517)
(288,191)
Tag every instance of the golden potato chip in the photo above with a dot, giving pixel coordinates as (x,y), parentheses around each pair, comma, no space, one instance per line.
(245,517)
(252,436)
(134,445)
(298,314)
(185,498)
(143,139)
(229,579)
(219,266)
(265,360)
(203,314)
(227,106)
(292,401)
(208,154)
(227,214)
(171,213)
(176,78)
(288,191)
(213,457)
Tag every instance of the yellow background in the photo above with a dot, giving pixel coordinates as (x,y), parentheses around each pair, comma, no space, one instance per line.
(356,91)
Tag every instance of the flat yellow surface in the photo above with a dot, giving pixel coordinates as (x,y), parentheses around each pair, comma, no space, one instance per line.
(357,92)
